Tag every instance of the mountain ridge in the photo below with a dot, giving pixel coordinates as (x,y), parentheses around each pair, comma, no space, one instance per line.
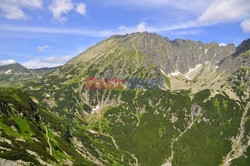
(201,98)
(16,73)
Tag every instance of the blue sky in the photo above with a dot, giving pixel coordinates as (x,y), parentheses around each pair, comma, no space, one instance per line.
(47,33)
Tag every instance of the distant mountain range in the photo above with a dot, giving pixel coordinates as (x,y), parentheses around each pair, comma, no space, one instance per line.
(199,117)
(16,73)
(44,70)
(18,68)
(14,68)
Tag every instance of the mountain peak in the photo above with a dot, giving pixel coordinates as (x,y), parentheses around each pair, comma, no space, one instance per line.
(121,54)
(243,47)
(136,35)
(15,68)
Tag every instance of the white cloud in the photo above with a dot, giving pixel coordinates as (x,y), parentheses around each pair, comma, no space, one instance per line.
(13,9)
(123,29)
(141,27)
(185,32)
(14,12)
(42,48)
(223,44)
(61,31)
(81,8)
(245,25)
(225,10)
(60,7)
(7,62)
(51,61)
(177,26)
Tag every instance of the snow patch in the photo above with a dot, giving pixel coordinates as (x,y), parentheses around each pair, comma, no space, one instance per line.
(5,140)
(93,132)
(174,73)
(206,51)
(7,72)
(195,68)
(163,72)
(47,95)
(178,73)
(188,74)
(190,71)
(95,109)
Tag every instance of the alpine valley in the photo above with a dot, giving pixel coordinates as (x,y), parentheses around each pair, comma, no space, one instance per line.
(200,117)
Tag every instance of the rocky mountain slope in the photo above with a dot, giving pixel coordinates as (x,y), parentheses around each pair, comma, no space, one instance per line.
(199,117)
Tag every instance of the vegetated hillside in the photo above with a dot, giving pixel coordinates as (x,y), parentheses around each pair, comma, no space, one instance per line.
(16,74)
(199,117)
(32,135)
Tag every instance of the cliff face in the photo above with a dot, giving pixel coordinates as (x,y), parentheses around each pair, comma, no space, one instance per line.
(152,49)
(240,58)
